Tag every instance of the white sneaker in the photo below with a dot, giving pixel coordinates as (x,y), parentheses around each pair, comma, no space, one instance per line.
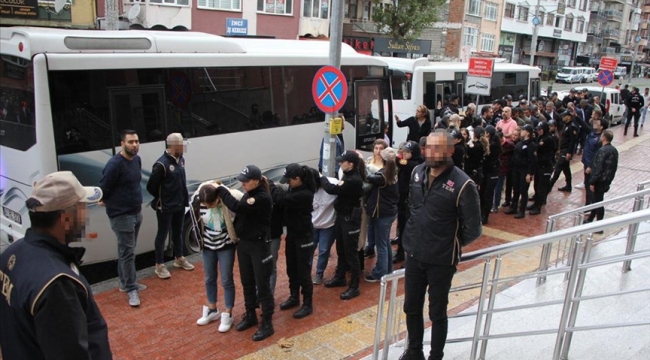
(580,186)
(183,263)
(207,316)
(134,298)
(162,272)
(226,322)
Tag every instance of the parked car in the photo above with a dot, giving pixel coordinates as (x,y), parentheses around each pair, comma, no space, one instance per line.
(620,72)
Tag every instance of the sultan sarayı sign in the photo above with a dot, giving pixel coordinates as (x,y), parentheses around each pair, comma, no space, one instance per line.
(402,46)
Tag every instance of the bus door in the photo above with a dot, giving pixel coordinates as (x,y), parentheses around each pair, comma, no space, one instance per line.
(534,89)
(140,108)
(369,113)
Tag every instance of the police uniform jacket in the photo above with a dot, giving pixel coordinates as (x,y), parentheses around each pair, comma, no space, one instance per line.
(444,216)
(298,205)
(491,161)
(253,220)
(348,192)
(47,309)
(168,184)
(634,101)
(525,156)
(404,170)
(569,139)
(546,148)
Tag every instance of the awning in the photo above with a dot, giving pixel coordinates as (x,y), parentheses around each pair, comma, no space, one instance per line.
(542,54)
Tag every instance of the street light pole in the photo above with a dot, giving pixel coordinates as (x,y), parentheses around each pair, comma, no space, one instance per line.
(533,42)
(637,40)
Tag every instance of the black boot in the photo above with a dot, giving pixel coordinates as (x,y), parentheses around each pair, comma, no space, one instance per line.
(511,211)
(249,320)
(291,302)
(265,330)
(353,290)
(337,281)
(305,310)
(399,255)
(410,354)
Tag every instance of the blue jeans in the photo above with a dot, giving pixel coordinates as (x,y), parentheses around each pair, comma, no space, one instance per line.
(381,230)
(126,228)
(225,259)
(644,112)
(370,244)
(498,190)
(324,238)
(165,222)
(275,248)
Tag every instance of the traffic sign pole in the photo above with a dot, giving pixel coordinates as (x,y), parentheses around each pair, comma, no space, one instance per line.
(336,41)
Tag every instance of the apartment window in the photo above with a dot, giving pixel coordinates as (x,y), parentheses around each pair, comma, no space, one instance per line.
(568,24)
(350,7)
(219,4)
(314,8)
(581,25)
(541,18)
(571,3)
(550,19)
(558,21)
(470,37)
(491,10)
(510,11)
(474,7)
(583,5)
(275,6)
(487,42)
(523,14)
(171,2)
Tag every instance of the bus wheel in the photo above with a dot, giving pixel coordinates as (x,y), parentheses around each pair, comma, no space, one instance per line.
(191,241)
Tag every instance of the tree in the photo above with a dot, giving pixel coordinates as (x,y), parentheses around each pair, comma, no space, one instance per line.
(405,19)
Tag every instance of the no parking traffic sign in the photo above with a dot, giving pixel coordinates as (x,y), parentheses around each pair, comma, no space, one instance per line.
(329,89)
(605,78)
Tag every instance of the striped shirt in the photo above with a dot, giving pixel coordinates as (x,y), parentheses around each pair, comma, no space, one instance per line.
(215,233)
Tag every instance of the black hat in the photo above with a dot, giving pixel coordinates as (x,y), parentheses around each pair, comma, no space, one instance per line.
(456,134)
(542,126)
(292,171)
(411,146)
(349,156)
(491,130)
(479,131)
(573,90)
(566,113)
(250,172)
(453,97)
(528,128)
(552,123)
(508,97)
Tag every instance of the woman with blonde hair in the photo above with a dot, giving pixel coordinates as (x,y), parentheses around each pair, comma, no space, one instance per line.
(419,125)
(373,165)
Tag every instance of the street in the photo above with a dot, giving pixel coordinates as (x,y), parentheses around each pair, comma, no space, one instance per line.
(640,83)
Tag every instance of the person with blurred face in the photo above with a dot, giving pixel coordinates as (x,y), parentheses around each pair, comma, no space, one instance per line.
(524,165)
(507,125)
(445,215)
(168,186)
(47,308)
(120,185)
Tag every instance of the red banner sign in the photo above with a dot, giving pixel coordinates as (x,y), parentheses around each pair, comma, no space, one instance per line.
(480,67)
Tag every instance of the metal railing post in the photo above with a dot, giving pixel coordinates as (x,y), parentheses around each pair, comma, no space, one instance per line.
(479,311)
(546,252)
(582,275)
(389,320)
(491,301)
(572,251)
(632,232)
(380,315)
(568,298)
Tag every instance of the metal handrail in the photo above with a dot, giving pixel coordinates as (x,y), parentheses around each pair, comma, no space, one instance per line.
(631,196)
(577,272)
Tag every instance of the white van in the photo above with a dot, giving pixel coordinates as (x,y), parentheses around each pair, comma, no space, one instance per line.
(609,101)
(620,72)
(581,74)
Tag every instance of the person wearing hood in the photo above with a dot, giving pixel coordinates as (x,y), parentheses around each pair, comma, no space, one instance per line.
(410,158)
(477,148)
(490,172)
(297,202)
(546,148)
(381,208)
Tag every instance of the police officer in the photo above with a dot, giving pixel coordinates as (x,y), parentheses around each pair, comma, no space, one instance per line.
(348,221)
(252,225)
(546,147)
(568,143)
(524,163)
(490,172)
(168,186)
(299,244)
(47,308)
(634,103)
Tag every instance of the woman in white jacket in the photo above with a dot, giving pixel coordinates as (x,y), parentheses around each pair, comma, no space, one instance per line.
(218,238)
(323,217)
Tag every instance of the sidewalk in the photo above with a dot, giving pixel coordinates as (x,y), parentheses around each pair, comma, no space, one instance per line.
(164,326)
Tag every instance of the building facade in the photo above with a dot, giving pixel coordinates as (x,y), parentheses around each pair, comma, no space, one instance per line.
(481,28)
(561,31)
(74,14)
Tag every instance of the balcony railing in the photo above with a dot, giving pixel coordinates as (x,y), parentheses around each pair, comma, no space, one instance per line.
(612,34)
(597,16)
(596,38)
(613,15)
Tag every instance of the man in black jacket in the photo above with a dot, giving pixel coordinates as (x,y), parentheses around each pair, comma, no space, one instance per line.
(47,309)
(603,170)
(546,146)
(167,185)
(445,215)
(524,164)
(634,103)
(568,143)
